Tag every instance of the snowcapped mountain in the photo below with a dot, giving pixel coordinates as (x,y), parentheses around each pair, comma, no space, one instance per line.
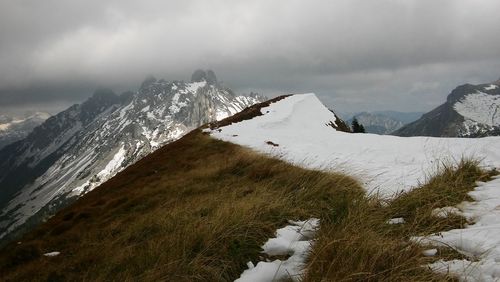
(85,145)
(13,129)
(469,111)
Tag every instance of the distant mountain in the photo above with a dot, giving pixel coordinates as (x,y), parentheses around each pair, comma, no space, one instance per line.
(404,117)
(384,122)
(13,129)
(469,111)
(78,149)
(377,123)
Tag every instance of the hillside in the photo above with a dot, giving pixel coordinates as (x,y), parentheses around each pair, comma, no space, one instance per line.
(469,111)
(200,209)
(78,149)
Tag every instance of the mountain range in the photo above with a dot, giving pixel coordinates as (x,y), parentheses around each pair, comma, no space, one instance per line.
(76,150)
(383,122)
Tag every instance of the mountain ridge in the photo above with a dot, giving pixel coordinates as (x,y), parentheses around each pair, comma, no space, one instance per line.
(80,148)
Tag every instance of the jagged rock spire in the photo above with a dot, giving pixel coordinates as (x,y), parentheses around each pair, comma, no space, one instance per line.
(202,75)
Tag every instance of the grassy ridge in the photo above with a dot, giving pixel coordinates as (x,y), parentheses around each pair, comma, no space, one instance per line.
(198,209)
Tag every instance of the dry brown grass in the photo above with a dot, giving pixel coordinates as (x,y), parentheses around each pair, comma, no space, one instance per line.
(196,210)
(363,247)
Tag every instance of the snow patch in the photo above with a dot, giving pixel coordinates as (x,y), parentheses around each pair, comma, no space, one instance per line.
(430,252)
(176,105)
(114,164)
(445,212)
(79,190)
(396,220)
(194,86)
(294,240)
(52,254)
(220,115)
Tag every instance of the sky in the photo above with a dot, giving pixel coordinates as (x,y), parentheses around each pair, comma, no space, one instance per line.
(404,55)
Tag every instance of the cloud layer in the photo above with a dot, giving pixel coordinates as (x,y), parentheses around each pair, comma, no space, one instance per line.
(357,55)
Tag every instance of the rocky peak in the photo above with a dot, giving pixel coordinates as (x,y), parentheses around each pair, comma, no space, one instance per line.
(101,100)
(202,75)
(103,94)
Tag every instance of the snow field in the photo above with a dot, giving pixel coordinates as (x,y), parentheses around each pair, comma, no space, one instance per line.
(386,165)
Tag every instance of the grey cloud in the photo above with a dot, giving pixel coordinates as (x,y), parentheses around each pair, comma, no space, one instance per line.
(366,55)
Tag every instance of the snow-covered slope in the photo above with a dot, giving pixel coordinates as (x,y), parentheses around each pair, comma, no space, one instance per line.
(13,129)
(385,164)
(469,111)
(295,130)
(480,108)
(80,148)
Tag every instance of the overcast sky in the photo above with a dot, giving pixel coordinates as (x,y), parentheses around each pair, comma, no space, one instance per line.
(402,55)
